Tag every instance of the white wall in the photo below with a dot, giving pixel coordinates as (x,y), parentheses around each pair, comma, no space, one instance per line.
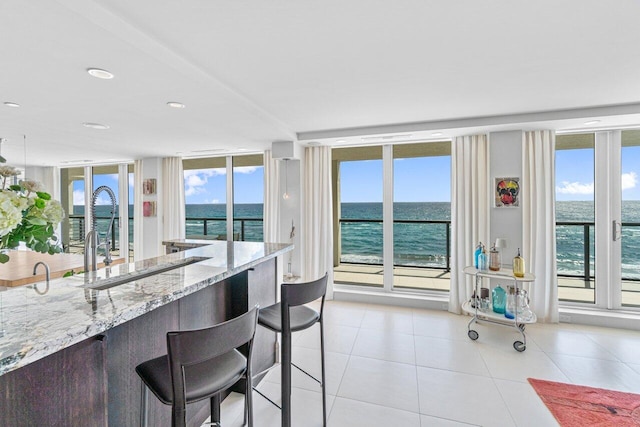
(152,226)
(505,159)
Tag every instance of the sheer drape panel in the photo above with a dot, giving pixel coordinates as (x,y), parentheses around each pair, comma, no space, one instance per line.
(173,223)
(470,200)
(271,213)
(539,227)
(318,224)
(137,212)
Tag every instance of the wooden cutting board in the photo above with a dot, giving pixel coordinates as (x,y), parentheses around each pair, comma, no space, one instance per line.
(19,270)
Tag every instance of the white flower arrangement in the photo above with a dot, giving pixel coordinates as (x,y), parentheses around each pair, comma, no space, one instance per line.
(28,215)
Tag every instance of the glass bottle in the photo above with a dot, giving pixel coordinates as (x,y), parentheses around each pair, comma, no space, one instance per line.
(498,299)
(494,259)
(482,260)
(476,254)
(510,308)
(524,311)
(518,265)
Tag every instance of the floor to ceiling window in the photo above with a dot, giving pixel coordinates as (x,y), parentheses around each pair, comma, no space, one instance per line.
(205,191)
(217,188)
(421,215)
(392,215)
(72,200)
(119,179)
(358,242)
(630,227)
(248,197)
(575,214)
(598,218)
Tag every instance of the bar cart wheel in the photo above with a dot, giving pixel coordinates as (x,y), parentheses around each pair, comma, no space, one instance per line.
(473,334)
(519,346)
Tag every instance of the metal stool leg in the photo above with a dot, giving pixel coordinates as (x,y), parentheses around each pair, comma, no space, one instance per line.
(144,400)
(248,400)
(215,409)
(324,381)
(286,379)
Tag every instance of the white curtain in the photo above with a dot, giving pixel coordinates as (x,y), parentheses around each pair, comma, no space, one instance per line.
(470,202)
(138,246)
(318,218)
(538,217)
(271,212)
(173,209)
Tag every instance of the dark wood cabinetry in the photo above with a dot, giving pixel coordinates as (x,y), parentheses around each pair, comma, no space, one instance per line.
(68,388)
(93,383)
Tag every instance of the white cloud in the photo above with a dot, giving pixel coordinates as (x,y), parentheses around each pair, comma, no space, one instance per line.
(132,180)
(78,197)
(103,199)
(196,179)
(629,180)
(245,169)
(575,188)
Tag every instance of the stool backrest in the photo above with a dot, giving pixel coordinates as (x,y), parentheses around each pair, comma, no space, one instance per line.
(294,294)
(186,348)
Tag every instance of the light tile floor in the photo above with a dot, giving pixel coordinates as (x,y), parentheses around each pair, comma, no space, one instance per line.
(394,366)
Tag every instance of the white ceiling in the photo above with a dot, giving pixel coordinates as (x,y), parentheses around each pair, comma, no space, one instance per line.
(254,71)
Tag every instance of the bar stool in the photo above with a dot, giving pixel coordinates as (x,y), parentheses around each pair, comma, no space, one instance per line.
(200,364)
(291,315)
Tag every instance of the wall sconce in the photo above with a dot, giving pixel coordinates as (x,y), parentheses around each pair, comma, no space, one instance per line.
(286,179)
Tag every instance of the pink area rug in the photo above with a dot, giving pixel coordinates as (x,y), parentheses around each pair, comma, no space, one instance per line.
(574,405)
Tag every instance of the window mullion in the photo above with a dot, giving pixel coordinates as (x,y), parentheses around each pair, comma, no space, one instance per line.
(387,216)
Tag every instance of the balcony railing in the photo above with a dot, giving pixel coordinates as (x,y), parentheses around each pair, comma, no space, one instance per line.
(580,257)
(77,229)
(246,230)
(586,257)
(444,242)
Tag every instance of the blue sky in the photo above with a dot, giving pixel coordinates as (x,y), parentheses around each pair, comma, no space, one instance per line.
(420,179)
(203,186)
(416,180)
(110,180)
(575,174)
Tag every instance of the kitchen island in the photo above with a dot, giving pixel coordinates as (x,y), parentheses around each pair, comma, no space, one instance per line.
(67,355)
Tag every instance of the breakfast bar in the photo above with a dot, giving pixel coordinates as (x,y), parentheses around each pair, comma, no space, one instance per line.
(67,355)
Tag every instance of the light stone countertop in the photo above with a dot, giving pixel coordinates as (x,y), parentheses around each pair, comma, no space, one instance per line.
(35,323)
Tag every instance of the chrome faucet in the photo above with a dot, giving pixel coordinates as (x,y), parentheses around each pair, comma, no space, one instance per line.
(92,240)
(46,270)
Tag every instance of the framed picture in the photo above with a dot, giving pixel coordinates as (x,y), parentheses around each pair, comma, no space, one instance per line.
(148,208)
(149,186)
(507,192)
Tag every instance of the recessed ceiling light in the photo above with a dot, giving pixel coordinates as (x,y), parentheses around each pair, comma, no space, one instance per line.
(592,122)
(100,74)
(95,126)
(174,104)
(436,134)
(12,104)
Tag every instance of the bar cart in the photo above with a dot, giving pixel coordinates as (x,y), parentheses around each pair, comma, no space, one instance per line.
(471,307)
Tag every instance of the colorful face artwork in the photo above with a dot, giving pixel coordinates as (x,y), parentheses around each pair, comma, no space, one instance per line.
(507,190)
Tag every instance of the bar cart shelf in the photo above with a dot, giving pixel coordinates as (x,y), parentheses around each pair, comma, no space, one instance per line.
(506,274)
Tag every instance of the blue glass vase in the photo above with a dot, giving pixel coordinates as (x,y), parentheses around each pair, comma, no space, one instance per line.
(498,299)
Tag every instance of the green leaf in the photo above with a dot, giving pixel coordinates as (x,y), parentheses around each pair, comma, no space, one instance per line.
(3,258)
(39,203)
(43,195)
(15,187)
(36,221)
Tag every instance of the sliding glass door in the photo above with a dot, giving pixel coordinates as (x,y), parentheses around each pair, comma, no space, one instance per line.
(392,216)
(598,218)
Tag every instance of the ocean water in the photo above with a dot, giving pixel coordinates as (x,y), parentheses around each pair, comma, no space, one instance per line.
(422,244)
